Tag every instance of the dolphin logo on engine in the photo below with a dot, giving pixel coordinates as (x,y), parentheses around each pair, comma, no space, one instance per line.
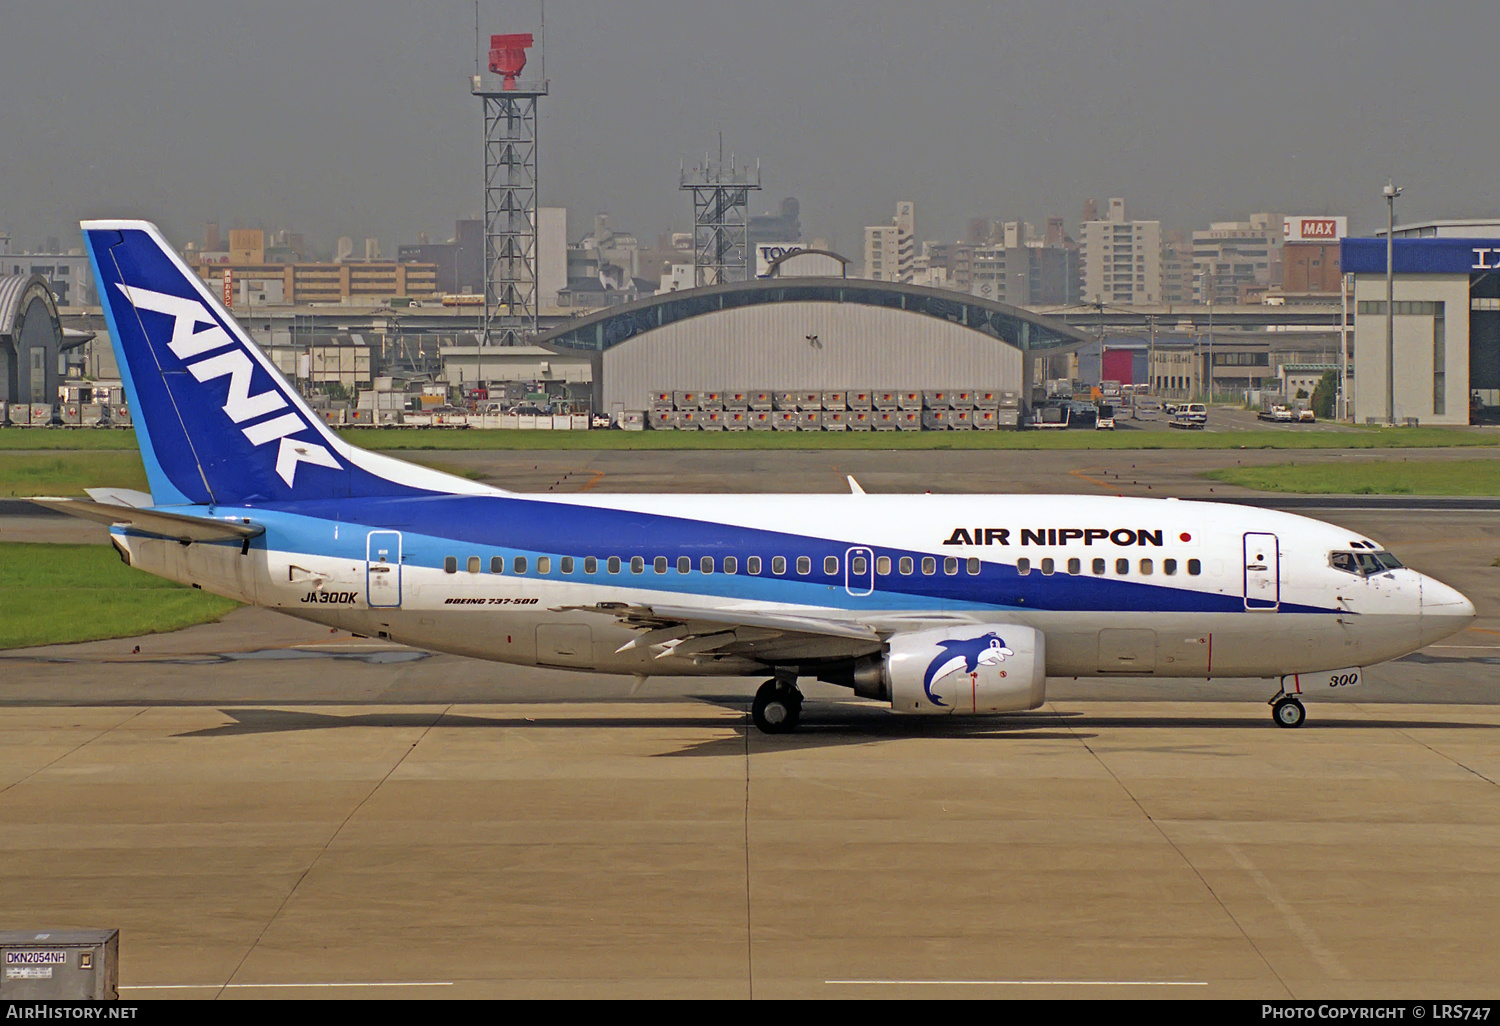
(970,653)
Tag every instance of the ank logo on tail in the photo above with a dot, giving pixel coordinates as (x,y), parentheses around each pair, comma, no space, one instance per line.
(968,653)
(219,360)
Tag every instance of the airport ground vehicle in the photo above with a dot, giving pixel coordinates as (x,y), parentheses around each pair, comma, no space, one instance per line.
(1104,420)
(1145,408)
(934,604)
(1276,413)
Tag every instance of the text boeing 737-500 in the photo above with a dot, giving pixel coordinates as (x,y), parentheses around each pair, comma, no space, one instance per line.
(942,605)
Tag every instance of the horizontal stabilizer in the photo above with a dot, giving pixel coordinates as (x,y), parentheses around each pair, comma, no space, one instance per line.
(181,526)
(121,497)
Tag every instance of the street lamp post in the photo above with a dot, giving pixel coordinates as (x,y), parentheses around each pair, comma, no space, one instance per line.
(1391,192)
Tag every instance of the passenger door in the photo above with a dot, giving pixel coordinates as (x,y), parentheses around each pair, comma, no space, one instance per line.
(383,569)
(1262,572)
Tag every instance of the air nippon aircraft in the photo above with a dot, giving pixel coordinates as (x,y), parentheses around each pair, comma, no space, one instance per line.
(935,604)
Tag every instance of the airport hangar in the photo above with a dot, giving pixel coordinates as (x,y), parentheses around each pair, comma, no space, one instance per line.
(808,333)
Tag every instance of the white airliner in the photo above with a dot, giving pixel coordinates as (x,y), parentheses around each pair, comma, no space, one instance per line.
(935,604)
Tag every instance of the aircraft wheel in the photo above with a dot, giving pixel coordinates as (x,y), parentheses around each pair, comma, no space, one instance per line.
(776,708)
(1288,713)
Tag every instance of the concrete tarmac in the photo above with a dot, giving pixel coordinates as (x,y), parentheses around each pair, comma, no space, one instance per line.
(268,809)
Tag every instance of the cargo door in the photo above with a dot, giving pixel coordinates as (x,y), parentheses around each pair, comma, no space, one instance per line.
(1262,573)
(383,569)
(1127,650)
(564,644)
(859,571)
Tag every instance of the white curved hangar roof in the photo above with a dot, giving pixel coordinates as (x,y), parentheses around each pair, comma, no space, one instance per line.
(828,333)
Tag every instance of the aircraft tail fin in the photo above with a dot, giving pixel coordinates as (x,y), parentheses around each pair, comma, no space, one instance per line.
(216,422)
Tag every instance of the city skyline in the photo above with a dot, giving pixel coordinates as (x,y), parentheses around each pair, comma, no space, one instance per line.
(350,124)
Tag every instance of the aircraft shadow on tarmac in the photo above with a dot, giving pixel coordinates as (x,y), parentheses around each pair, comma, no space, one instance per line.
(823,725)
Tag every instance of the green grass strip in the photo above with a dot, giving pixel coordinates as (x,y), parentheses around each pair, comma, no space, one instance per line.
(58,594)
(1370,477)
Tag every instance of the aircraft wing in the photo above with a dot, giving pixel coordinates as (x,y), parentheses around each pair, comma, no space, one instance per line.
(181,526)
(710,635)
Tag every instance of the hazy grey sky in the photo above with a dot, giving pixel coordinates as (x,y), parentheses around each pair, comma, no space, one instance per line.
(337,117)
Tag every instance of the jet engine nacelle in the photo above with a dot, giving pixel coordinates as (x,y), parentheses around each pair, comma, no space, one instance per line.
(988,668)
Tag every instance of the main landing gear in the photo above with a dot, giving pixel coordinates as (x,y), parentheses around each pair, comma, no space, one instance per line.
(1286,709)
(777,707)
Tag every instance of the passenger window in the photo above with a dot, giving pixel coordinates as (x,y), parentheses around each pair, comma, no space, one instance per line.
(1047,566)
(752,565)
(1075,566)
(804,564)
(831,565)
(473,564)
(684,564)
(1194,568)
(906,565)
(1098,566)
(450,564)
(706,564)
(612,564)
(659,564)
(1169,567)
(731,565)
(859,566)
(637,564)
(1146,567)
(883,565)
(778,565)
(1122,566)
(497,564)
(520,564)
(973,566)
(544,564)
(950,565)
(590,564)
(1023,566)
(929,565)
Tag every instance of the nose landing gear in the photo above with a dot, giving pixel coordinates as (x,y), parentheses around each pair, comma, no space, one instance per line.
(1286,710)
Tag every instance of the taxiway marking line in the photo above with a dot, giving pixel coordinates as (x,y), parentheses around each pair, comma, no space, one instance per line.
(268,986)
(1016,983)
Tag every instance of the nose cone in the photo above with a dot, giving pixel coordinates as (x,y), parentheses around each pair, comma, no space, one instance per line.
(1445,610)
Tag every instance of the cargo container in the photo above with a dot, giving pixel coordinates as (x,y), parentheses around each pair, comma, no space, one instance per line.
(809,401)
(909,420)
(886,420)
(885,400)
(784,401)
(986,420)
(784,420)
(737,420)
(689,420)
(760,420)
(835,401)
(712,420)
(665,420)
(632,420)
(686,400)
(961,419)
(762,400)
(736,400)
(936,420)
(962,398)
(710,400)
(861,420)
(809,420)
(835,420)
(41,414)
(937,399)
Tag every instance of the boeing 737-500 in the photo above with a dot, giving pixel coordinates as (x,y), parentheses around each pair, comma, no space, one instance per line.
(934,604)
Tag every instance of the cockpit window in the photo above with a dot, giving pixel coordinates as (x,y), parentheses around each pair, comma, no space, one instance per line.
(1364,563)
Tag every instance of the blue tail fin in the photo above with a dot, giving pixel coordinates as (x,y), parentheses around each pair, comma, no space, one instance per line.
(216,423)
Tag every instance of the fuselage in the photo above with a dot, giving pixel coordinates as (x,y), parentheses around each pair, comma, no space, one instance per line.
(1117,585)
